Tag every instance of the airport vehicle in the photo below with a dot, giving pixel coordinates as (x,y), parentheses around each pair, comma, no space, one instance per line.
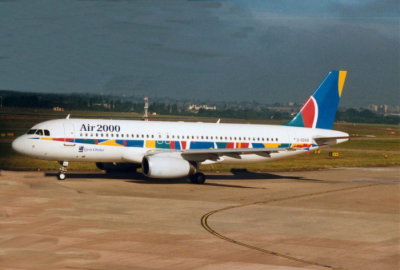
(176,149)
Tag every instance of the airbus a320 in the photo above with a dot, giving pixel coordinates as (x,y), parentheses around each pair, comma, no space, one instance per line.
(176,149)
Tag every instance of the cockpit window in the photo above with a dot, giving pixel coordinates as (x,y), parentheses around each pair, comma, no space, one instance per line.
(46,132)
(39,132)
(31,131)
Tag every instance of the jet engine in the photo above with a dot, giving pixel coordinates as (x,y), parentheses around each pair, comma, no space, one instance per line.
(166,167)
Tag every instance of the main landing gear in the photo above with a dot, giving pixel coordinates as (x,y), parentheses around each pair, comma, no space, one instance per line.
(198,178)
(63,170)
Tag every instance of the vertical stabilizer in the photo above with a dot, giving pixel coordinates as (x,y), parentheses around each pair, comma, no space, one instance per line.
(320,109)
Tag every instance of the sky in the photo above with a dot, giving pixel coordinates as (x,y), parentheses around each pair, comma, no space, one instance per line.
(251,50)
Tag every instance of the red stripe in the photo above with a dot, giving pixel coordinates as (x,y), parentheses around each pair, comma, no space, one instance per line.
(230,145)
(308,113)
(244,145)
(63,139)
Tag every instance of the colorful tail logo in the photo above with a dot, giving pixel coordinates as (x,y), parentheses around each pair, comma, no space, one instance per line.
(320,109)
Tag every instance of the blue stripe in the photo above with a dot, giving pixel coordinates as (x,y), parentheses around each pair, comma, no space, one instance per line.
(201,145)
(258,145)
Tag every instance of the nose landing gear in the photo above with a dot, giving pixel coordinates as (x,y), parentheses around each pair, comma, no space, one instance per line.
(63,170)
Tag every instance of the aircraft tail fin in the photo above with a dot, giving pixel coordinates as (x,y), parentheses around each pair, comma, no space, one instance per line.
(320,109)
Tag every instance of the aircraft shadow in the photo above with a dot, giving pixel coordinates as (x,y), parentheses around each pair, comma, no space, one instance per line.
(237,174)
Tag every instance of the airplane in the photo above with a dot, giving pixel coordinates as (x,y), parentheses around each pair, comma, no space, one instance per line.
(176,149)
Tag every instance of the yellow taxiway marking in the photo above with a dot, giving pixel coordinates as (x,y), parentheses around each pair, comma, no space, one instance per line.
(215,233)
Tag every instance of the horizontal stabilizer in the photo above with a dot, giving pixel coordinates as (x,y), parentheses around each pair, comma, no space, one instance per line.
(330,140)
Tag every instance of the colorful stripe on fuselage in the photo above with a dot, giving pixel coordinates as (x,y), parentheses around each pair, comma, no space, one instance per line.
(178,145)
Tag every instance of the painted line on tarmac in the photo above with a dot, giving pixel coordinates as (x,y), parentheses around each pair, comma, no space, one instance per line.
(207,227)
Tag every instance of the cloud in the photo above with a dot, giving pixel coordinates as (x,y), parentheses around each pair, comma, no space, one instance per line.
(371,8)
(220,50)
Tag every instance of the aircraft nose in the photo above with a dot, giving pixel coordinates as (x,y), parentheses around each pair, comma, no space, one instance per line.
(18,145)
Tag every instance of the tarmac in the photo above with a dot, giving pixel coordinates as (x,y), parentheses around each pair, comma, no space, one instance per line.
(346,218)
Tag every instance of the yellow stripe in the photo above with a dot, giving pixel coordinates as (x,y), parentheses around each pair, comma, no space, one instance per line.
(151,144)
(271,145)
(47,139)
(342,78)
(110,143)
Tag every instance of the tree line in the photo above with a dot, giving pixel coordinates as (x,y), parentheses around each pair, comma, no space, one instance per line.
(93,102)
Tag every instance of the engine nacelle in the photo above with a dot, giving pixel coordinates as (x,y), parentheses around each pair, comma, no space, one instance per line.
(166,167)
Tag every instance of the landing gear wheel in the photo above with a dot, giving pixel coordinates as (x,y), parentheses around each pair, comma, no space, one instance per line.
(198,178)
(63,170)
(61,176)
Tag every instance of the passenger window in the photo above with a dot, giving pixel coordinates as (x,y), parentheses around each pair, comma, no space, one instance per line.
(122,135)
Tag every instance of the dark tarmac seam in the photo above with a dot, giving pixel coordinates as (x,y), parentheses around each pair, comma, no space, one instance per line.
(207,227)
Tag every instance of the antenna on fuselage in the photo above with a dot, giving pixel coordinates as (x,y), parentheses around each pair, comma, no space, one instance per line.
(68,116)
(219,121)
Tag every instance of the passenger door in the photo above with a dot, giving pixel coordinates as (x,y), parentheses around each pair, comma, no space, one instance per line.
(69,134)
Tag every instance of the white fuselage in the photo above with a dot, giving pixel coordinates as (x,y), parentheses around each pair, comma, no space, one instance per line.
(99,140)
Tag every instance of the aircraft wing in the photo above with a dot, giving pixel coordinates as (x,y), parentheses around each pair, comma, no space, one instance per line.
(214,154)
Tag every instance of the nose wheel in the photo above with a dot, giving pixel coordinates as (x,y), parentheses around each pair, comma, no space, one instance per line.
(61,176)
(63,170)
